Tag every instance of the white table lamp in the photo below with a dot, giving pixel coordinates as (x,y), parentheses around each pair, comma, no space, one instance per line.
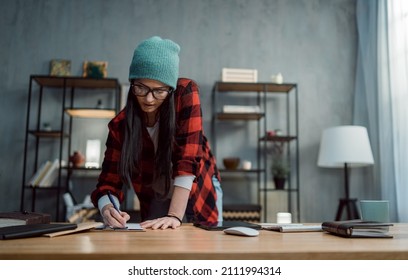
(345,147)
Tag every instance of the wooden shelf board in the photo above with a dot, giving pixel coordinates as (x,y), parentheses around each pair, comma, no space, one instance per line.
(255,87)
(90,113)
(77,82)
(240,116)
(276,190)
(47,134)
(82,168)
(278,138)
(240,170)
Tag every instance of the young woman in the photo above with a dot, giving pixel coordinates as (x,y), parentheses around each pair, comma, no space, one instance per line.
(156,145)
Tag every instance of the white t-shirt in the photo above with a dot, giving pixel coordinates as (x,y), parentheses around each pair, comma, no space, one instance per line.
(185,181)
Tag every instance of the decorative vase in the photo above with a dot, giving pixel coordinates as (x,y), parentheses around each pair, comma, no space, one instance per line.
(47,127)
(77,159)
(279,183)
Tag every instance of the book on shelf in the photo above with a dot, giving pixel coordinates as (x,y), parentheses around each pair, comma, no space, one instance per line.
(50,176)
(358,228)
(18,218)
(39,174)
(45,175)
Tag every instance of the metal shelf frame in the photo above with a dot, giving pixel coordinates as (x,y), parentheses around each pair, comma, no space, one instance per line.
(261,92)
(66,86)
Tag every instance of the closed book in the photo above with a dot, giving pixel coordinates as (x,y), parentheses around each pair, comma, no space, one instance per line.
(23,218)
(34,230)
(358,228)
(39,174)
(49,177)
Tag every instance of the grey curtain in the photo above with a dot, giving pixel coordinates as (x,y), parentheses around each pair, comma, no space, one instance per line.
(381,97)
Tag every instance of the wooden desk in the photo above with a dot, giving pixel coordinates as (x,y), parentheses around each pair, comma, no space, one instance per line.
(189,242)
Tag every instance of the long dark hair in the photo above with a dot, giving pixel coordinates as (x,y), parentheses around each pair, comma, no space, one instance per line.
(133,143)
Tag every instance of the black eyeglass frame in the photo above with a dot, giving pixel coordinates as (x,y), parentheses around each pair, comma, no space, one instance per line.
(152,90)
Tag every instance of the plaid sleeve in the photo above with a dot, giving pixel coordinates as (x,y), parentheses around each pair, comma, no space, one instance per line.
(109,178)
(189,137)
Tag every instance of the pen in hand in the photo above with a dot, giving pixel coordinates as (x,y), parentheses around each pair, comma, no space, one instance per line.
(113,202)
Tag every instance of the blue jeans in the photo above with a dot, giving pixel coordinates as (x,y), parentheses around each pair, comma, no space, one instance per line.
(218,191)
(160,208)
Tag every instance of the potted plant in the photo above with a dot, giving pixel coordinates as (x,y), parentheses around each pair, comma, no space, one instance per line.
(280,172)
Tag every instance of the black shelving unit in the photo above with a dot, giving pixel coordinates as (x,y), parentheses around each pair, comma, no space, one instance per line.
(288,142)
(68,89)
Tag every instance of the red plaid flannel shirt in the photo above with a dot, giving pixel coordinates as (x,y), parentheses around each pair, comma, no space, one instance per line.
(191,156)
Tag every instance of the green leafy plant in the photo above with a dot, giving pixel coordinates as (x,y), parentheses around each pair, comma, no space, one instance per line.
(280,169)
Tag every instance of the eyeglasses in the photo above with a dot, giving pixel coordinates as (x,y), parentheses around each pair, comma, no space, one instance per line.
(142,90)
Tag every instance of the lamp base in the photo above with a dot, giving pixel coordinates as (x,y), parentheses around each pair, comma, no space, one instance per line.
(351,206)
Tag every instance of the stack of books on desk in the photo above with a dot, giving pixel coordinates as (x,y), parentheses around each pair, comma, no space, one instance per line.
(17,218)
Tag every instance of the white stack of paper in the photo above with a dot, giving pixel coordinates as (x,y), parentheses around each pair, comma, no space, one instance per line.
(240,109)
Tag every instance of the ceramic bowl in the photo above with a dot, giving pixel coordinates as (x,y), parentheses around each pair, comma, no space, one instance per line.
(231,163)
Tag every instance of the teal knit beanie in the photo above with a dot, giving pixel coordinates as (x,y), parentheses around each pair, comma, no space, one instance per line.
(156,59)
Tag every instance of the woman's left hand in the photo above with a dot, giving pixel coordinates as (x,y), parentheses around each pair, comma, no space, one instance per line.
(161,223)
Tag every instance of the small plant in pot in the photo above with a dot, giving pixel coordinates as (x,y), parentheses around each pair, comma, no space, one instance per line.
(280,172)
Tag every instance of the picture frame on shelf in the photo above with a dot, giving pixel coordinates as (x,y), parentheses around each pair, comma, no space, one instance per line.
(95,69)
(60,67)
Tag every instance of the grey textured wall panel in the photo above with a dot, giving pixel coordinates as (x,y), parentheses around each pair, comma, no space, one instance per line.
(311,42)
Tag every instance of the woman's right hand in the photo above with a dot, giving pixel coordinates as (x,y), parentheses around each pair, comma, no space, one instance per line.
(113,218)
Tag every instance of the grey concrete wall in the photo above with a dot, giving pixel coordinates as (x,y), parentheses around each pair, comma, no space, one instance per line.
(311,42)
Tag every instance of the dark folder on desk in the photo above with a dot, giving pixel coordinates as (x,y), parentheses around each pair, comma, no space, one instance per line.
(32,230)
(358,228)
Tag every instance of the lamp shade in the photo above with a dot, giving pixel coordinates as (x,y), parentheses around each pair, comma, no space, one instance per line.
(345,144)
(93,150)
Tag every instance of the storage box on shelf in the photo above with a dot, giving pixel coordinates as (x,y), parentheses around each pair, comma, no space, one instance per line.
(242,212)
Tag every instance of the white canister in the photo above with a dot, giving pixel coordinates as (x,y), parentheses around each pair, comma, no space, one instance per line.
(246,165)
(277,79)
(283,218)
